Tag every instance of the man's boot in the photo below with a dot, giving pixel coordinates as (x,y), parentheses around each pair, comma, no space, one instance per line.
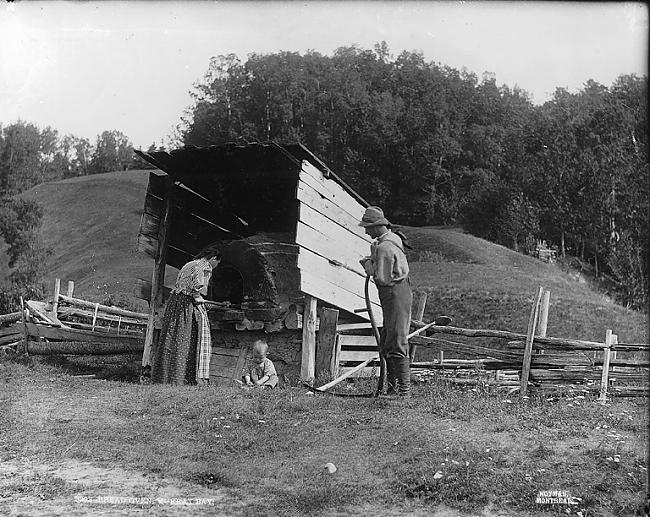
(403,374)
(391,376)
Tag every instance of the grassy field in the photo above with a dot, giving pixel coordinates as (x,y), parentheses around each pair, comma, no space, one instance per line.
(67,440)
(447,451)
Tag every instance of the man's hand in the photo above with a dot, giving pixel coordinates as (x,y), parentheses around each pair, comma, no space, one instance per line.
(366,263)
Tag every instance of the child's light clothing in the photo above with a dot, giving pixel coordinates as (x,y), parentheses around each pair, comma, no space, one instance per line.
(258,370)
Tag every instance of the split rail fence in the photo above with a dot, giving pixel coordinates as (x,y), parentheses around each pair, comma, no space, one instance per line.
(72,326)
(530,361)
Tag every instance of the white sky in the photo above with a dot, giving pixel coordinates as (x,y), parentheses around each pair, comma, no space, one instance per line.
(84,67)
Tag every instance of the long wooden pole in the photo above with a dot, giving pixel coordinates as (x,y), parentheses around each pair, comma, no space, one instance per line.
(104,308)
(24,321)
(10,318)
(528,351)
(158,274)
(551,341)
(55,296)
(604,380)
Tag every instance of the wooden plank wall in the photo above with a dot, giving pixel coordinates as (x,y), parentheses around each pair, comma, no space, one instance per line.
(193,216)
(331,243)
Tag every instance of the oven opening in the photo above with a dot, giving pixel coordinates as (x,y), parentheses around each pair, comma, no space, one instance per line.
(226,285)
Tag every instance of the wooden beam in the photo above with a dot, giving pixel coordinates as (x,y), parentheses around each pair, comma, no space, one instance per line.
(36,330)
(158,274)
(70,290)
(346,249)
(55,296)
(548,341)
(604,380)
(104,308)
(66,312)
(331,190)
(308,359)
(38,309)
(323,289)
(543,314)
(348,373)
(11,338)
(326,360)
(528,351)
(24,325)
(325,215)
(337,274)
(10,318)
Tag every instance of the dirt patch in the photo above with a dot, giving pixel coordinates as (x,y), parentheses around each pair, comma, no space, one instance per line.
(75,488)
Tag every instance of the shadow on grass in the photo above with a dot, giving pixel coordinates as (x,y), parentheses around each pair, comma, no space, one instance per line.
(123,368)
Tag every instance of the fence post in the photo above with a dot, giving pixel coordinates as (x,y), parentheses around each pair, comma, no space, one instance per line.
(23,320)
(421,304)
(604,379)
(70,290)
(55,297)
(543,315)
(530,336)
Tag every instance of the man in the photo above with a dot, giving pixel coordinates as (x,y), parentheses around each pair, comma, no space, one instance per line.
(388,266)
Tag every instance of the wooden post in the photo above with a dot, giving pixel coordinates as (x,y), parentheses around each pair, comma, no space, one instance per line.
(604,379)
(543,314)
(95,315)
(55,296)
(24,321)
(70,290)
(326,359)
(158,275)
(528,351)
(308,359)
(420,306)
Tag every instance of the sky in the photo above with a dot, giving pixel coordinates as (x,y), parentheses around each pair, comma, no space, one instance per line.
(85,67)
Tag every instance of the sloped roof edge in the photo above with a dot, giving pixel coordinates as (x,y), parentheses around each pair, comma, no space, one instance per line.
(294,152)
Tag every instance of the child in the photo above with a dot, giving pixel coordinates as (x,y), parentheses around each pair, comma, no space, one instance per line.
(260,371)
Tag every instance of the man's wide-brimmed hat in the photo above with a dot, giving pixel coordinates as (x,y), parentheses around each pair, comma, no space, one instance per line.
(374,216)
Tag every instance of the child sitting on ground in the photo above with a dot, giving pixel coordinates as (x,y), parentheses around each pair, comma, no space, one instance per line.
(260,370)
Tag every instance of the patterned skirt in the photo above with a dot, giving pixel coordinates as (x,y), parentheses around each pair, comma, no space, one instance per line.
(184,344)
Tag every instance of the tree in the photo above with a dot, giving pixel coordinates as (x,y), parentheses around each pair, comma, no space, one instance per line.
(20,159)
(19,223)
(113,151)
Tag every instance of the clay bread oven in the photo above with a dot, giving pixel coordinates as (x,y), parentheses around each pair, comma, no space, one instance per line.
(287,229)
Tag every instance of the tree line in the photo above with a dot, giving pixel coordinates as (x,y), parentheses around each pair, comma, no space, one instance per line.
(437,146)
(30,155)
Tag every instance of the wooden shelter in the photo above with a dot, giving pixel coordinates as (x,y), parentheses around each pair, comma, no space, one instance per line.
(287,228)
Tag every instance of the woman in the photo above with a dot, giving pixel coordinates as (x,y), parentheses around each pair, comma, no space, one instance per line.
(182,354)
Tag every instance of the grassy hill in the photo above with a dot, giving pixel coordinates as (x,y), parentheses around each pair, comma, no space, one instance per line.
(92,222)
